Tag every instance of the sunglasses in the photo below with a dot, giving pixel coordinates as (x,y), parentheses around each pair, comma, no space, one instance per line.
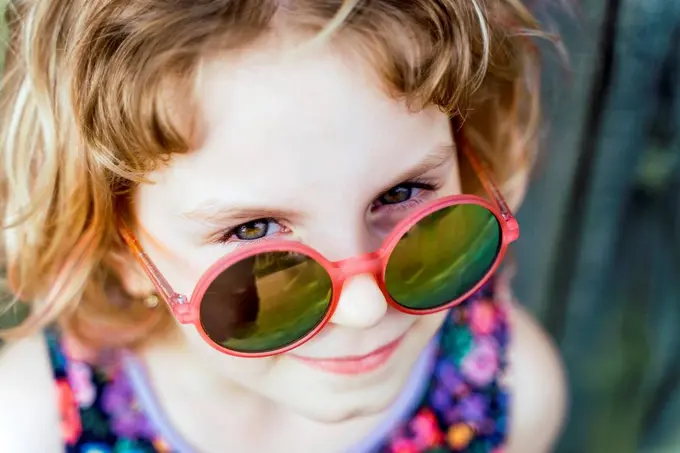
(272,297)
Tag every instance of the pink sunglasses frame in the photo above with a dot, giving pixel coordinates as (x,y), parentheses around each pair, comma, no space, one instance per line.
(187,310)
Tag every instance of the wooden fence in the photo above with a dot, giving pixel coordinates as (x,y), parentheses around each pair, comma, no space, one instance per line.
(599,256)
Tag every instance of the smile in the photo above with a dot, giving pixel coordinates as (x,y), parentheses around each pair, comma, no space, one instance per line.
(351,365)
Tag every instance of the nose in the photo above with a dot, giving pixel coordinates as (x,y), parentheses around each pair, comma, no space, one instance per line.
(362,303)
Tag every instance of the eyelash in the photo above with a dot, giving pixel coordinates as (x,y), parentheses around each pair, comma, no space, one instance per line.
(229,235)
(423,185)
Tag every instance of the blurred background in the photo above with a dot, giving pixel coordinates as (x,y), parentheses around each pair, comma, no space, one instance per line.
(599,256)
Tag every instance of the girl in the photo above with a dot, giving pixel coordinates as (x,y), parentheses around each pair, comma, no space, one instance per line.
(262,226)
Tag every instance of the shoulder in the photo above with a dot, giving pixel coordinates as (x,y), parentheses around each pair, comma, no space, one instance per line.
(539,387)
(29,420)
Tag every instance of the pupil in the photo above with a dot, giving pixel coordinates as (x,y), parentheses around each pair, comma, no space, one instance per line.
(252,230)
(397,194)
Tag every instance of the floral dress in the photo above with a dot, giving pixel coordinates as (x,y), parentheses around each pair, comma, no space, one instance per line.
(463,408)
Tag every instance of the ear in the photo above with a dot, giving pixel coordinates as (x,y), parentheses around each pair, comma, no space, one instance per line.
(515,188)
(134,280)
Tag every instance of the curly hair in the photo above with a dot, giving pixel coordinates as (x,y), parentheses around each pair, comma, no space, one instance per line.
(85,114)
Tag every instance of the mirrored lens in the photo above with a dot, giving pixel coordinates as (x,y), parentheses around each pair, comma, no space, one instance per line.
(266,302)
(443,256)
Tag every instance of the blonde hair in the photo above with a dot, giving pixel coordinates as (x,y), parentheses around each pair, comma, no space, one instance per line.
(85,115)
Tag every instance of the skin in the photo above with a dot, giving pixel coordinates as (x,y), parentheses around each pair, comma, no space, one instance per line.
(314,144)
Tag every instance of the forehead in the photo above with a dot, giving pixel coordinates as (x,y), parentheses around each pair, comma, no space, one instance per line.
(276,124)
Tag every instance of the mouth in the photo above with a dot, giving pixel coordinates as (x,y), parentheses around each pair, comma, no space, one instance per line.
(352,365)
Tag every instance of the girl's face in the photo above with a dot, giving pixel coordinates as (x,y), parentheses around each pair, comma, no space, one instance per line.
(310,149)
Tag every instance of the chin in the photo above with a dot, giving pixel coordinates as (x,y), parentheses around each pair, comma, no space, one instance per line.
(334,400)
(341,408)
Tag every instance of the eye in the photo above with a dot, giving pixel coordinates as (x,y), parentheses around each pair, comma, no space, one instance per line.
(251,231)
(403,193)
(397,194)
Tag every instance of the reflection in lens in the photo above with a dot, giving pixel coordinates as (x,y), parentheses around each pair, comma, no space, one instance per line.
(266,302)
(443,256)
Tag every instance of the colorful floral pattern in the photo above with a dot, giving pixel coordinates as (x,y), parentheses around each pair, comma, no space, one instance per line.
(98,409)
(464,409)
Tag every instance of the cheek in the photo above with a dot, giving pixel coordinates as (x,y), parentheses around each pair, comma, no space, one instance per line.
(227,366)
(452,184)
(431,323)
(422,333)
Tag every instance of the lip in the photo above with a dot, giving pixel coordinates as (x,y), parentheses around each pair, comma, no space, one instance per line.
(352,365)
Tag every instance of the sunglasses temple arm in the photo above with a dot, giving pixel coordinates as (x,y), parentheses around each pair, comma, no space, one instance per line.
(159,282)
(483,173)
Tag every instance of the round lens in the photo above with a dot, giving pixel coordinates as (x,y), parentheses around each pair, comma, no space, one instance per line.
(266,302)
(443,256)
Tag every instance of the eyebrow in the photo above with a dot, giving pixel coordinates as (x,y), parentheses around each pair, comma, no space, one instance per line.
(213,212)
(435,159)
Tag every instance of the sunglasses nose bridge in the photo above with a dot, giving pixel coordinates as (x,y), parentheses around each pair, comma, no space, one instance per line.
(369,263)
